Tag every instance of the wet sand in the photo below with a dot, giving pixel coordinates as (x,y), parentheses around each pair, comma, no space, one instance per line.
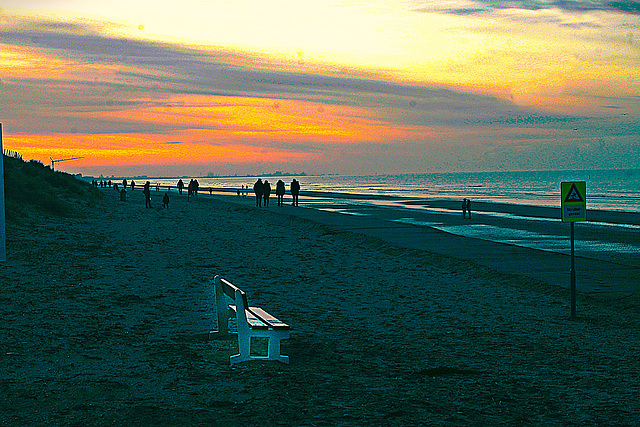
(598,272)
(106,321)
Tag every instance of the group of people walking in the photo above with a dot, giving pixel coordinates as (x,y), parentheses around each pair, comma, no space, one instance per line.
(101,183)
(132,184)
(192,188)
(262,190)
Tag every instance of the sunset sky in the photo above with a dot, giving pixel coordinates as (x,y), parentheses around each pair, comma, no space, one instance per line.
(349,87)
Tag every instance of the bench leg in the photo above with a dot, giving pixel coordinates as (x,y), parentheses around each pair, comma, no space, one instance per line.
(244,348)
(223,330)
(274,351)
(223,327)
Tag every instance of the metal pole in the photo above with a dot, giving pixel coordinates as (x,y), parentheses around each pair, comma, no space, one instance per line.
(573,275)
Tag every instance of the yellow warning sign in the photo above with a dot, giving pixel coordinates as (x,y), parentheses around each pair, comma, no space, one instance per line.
(574,201)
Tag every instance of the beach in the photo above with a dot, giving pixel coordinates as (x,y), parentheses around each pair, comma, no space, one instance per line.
(107,320)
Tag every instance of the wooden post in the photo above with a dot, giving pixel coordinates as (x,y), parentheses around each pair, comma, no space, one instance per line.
(3,247)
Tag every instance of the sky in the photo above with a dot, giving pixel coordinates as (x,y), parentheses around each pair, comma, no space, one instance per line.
(346,87)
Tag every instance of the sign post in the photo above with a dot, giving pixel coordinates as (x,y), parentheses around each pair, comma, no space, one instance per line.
(3,247)
(574,209)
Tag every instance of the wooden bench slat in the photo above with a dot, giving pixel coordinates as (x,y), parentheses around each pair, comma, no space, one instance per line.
(268,318)
(253,321)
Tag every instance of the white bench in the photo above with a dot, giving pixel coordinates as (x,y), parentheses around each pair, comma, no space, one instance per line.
(251,322)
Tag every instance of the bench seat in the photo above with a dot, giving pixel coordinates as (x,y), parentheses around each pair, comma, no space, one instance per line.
(257,318)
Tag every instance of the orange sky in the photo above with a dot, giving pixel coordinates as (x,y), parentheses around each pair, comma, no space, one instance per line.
(381,86)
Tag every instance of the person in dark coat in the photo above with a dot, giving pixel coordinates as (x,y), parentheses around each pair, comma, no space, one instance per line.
(147,194)
(165,200)
(180,186)
(295,191)
(258,189)
(280,192)
(266,192)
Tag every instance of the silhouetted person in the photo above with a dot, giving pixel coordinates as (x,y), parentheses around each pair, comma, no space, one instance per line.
(124,184)
(257,190)
(133,184)
(165,200)
(280,192)
(196,186)
(469,207)
(180,186)
(295,191)
(266,192)
(464,208)
(147,194)
(190,190)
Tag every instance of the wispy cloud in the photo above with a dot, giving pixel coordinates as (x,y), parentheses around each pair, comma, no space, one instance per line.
(124,102)
(108,75)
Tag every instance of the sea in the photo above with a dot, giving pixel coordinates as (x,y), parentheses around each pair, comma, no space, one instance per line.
(606,190)
(616,190)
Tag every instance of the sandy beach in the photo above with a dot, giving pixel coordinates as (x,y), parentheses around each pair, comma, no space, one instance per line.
(106,320)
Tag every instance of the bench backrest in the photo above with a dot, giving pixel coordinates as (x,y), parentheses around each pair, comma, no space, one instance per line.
(254,318)
(233,292)
(226,289)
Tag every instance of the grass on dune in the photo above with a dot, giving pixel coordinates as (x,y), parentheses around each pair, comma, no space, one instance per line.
(32,188)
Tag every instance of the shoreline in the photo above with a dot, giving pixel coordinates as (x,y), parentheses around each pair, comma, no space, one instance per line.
(527,220)
(602,273)
(611,190)
(451,204)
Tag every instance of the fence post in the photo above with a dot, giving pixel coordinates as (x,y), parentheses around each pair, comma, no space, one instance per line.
(3,233)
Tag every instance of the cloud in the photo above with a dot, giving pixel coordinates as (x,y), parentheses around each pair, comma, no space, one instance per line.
(105,74)
(632,7)
(472,7)
(164,101)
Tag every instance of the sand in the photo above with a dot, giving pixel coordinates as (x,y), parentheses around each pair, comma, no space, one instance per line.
(106,321)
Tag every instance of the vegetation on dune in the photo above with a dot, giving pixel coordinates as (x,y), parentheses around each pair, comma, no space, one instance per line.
(32,188)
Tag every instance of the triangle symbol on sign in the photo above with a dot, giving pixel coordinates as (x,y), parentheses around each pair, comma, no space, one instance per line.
(573,195)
